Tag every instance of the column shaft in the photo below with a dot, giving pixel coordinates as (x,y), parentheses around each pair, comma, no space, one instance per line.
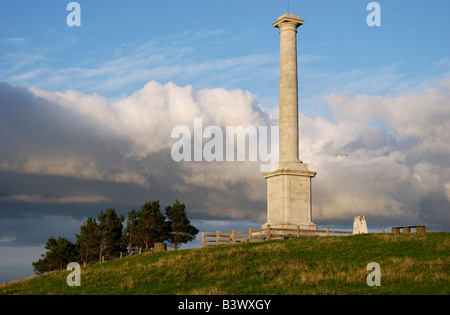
(288,96)
(288,141)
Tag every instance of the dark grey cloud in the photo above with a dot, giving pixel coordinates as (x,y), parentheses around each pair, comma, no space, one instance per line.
(66,156)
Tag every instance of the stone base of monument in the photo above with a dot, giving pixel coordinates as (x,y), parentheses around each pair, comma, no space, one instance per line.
(289,198)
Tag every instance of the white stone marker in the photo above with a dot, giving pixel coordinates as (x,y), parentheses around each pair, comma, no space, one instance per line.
(360,225)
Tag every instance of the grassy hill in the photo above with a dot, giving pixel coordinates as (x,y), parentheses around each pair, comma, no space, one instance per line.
(410,264)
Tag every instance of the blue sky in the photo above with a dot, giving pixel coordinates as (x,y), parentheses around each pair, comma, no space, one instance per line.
(337,49)
(86,112)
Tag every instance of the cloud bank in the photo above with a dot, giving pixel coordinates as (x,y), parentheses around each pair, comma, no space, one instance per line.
(72,154)
(385,157)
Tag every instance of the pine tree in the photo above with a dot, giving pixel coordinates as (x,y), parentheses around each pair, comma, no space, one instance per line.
(100,233)
(101,237)
(87,240)
(151,227)
(181,230)
(114,233)
(130,231)
(110,227)
(60,252)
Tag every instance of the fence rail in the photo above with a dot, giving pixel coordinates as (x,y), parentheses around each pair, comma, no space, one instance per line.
(265,234)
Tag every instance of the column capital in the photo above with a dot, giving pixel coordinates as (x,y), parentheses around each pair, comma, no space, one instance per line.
(287,19)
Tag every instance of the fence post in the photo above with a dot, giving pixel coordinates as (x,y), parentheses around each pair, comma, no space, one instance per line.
(233,236)
(140,250)
(250,231)
(328,231)
(395,230)
(268,233)
(420,229)
(298,230)
(203,239)
(120,255)
(217,237)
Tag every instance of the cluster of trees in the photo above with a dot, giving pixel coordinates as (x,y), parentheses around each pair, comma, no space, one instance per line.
(105,236)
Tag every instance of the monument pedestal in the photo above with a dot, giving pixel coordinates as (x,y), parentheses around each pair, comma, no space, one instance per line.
(289,197)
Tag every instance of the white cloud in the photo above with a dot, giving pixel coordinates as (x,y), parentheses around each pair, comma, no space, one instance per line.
(16,40)
(7,239)
(417,113)
(162,59)
(385,157)
(148,116)
(29,75)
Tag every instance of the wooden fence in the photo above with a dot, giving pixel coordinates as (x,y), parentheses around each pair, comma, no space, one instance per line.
(265,234)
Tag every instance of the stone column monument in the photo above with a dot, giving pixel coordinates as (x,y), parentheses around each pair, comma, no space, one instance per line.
(289,182)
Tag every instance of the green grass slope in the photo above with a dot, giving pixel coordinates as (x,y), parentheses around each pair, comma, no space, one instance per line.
(410,264)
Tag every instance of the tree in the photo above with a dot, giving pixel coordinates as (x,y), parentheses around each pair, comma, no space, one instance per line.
(101,237)
(151,227)
(114,233)
(130,231)
(181,230)
(87,240)
(60,253)
(109,233)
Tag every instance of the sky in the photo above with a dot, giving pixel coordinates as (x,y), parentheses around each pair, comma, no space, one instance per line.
(86,113)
